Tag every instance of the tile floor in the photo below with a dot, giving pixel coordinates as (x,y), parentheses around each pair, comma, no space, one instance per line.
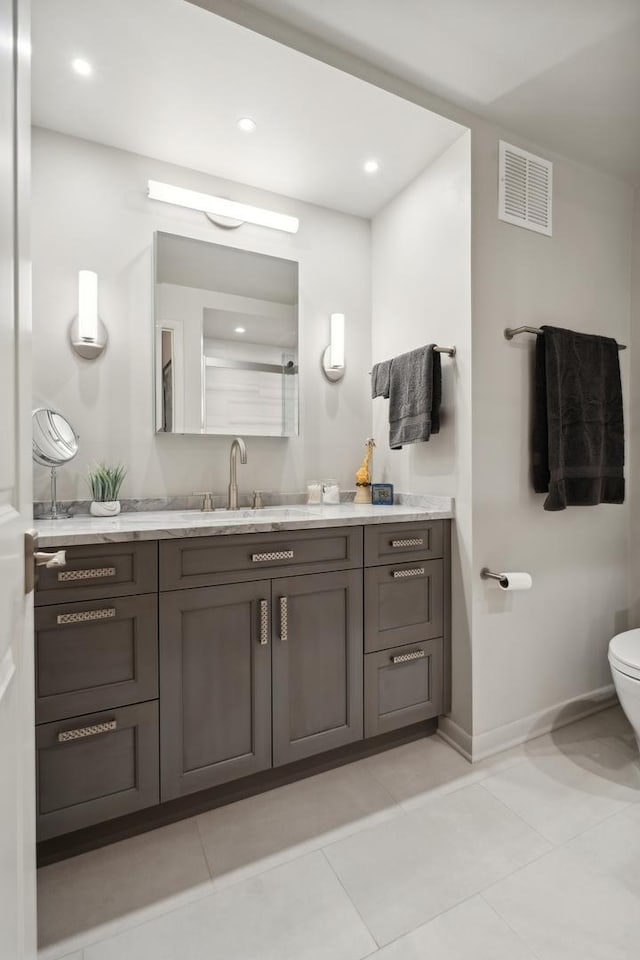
(531,855)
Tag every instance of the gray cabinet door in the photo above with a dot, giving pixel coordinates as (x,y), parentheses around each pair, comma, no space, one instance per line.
(95,655)
(403,603)
(317,663)
(402,686)
(96,767)
(215,686)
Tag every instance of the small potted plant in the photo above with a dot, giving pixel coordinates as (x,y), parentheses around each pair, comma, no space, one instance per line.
(105,483)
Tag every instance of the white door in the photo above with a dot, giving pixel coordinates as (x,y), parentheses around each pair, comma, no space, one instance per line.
(17,792)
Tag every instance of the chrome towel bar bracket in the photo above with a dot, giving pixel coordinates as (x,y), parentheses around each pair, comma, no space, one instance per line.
(511,332)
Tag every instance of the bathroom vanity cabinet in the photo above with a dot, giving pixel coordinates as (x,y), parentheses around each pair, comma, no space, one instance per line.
(166,668)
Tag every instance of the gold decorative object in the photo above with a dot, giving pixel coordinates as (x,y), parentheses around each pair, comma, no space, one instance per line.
(363,475)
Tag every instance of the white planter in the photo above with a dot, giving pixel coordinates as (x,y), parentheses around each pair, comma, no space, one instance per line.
(106,508)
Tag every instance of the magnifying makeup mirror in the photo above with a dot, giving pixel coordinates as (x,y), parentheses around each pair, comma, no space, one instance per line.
(55,443)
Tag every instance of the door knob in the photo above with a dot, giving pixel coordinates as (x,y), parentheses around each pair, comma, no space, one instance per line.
(38,558)
(57,559)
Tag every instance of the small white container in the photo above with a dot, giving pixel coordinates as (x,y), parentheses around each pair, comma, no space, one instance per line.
(104,508)
(314,491)
(330,491)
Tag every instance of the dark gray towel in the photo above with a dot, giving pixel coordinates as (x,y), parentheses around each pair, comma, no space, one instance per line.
(380,379)
(415,391)
(578,432)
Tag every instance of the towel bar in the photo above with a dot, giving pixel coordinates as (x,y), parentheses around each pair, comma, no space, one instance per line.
(450,351)
(511,332)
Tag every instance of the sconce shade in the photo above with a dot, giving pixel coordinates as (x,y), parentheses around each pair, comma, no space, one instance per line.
(221,207)
(87,333)
(333,358)
(337,341)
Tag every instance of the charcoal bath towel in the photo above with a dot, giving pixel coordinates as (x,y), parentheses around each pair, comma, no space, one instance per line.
(415,392)
(380,379)
(578,429)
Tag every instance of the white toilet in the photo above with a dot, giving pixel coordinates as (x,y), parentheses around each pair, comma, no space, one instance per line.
(624,660)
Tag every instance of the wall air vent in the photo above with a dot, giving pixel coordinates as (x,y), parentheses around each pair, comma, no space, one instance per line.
(524,189)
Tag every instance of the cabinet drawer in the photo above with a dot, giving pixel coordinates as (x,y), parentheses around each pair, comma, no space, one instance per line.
(101,570)
(402,686)
(206,561)
(398,542)
(95,767)
(403,603)
(95,655)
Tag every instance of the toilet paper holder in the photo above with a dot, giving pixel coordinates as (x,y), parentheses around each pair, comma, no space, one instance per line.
(487,574)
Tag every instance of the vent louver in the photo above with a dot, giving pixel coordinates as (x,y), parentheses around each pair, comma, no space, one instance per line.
(525,189)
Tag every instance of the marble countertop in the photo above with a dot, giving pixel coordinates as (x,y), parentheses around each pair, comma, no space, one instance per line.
(166,524)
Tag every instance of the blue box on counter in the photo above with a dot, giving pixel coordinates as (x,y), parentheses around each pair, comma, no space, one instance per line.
(382,494)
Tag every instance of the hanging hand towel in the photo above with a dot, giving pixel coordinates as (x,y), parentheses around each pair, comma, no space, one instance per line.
(578,434)
(380,379)
(415,391)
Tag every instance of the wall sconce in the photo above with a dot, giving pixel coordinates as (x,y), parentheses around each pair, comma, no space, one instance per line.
(88,333)
(233,214)
(333,357)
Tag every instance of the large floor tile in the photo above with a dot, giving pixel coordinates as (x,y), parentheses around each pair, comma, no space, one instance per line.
(246,838)
(297,911)
(407,871)
(471,930)
(563,791)
(119,880)
(418,771)
(582,901)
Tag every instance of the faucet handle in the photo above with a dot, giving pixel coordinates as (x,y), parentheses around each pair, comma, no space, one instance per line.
(207,501)
(257,500)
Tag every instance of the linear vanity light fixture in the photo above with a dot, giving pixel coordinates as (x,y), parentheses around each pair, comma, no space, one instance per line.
(221,207)
(88,333)
(333,362)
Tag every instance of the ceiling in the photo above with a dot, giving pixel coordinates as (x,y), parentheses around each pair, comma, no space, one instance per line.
(170,80)
(563,73)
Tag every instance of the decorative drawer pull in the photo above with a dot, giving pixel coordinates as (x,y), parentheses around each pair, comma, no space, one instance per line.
(277,555)
(411,542)
(65,735)
(264,622)
(405,657)
(86,615)
(95,574)
(284,619)
(413,572)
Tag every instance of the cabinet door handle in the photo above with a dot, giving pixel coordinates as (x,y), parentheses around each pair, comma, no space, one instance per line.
(405,657)
(264,622)
(275,555)
(413,572)
(284,619)
(97,573)
(85,615)
(80,732)
(411,542)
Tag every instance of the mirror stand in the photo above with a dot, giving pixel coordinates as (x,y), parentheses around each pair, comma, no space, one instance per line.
(53,512)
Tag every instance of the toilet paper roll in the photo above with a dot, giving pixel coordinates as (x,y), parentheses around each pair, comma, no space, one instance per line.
(515,580)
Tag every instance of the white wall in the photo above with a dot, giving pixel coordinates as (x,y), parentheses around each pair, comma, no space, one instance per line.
(634,359)
(421,270)
(90,210)
(534,651)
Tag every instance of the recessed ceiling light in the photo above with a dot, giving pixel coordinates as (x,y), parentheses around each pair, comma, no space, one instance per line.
(371,166)
(240,330)
(82,67)
(246,124)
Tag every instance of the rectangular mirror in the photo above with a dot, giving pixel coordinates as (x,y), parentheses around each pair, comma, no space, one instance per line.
(226,340)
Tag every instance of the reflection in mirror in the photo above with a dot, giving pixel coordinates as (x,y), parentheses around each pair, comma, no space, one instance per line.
(55,442)
(226,340)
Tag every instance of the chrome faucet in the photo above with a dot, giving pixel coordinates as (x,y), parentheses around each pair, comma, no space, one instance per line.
(237,444)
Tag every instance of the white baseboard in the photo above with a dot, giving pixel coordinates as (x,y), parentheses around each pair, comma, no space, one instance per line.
(494,741)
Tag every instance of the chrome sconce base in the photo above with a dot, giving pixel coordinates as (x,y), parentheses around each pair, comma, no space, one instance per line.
(88,349)
(333,374)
